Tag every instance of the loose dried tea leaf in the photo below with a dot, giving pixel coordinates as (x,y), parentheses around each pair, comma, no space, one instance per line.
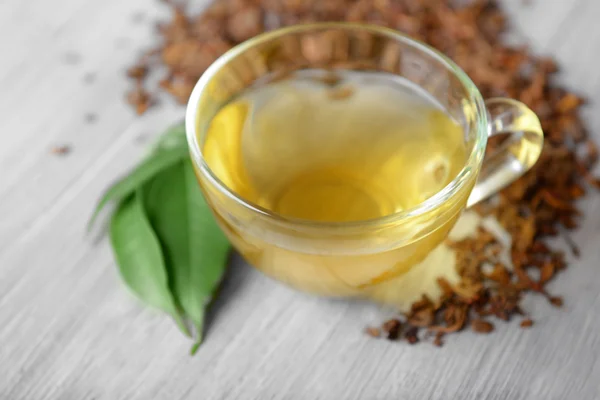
(137,71)
(422,318)
(140,98)
(61,150)
(411,335)
(390,325)
(455,317)
(556,301)
(500,274)
(481,326)
(245,23)
(373,332)
(445,286)
(546,272)
(392,328)
(526,323)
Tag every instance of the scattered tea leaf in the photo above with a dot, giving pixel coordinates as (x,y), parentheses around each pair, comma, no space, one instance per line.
(391,324)
(61,150)
(392,328)
(411,335)
(547,272)
(373,332)
(137,71)
(481,326)
(526,323)
(556,301)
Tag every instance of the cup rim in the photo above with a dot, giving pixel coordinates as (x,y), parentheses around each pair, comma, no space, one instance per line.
(471,166)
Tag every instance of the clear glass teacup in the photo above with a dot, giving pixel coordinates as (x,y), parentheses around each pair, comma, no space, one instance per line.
(353,258)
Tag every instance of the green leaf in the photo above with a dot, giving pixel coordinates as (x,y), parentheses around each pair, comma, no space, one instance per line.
(140,259)
(195,248)
(141,174)
(169,249)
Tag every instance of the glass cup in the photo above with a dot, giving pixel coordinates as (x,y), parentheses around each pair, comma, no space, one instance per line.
(353,258)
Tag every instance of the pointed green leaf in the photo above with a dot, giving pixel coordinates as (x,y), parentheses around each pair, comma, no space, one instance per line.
(141,174)
(140,259)
(195,248)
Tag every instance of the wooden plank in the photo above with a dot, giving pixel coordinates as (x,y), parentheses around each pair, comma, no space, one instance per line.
(68,329)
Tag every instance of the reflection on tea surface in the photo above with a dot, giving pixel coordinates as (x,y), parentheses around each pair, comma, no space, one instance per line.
(366,146)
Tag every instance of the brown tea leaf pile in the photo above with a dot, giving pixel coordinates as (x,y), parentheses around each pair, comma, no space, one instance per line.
(541,205)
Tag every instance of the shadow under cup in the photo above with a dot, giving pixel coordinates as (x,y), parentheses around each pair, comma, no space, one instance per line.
(350,258)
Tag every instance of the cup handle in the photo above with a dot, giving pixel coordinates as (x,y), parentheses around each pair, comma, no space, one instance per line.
(516,155)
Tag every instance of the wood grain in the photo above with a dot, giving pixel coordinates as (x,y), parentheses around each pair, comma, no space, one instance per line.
(69,330)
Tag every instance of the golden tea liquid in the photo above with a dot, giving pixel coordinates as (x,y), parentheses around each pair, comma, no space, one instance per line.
(364,148)
(368,146)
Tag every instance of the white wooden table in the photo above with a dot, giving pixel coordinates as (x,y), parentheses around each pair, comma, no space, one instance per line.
(69,330)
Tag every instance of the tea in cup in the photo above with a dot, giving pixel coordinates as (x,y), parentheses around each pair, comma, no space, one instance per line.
(337,156)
